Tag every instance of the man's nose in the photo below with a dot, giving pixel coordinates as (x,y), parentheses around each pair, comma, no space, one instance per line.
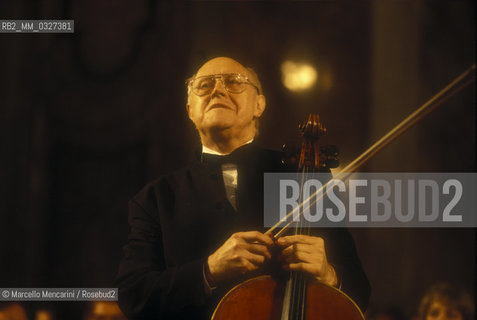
(219,88)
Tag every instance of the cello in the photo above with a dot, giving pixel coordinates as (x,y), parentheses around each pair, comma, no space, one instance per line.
(297,298)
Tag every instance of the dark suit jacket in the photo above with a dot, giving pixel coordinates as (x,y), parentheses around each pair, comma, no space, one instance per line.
(178,220)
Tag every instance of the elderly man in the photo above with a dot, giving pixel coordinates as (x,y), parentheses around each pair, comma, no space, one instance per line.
(196,232)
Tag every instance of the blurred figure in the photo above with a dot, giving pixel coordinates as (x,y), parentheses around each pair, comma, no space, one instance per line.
(43,314)
(12,311)
(444,301)
(104,310)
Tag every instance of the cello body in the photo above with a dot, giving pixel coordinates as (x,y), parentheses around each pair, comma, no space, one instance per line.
(261,298)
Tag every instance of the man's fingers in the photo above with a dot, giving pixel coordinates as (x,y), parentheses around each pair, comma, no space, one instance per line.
(324,277)
(244,264)
(299,247)
(256,259)
(260,249)
(303,267)
(300,257)
(306,254)
(255,236)
(303,239)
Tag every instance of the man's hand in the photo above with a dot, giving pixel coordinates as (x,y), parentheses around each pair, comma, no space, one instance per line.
(241,253)
(307,254)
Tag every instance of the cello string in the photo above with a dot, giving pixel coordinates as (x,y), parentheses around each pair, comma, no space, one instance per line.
(291,301)
(408,122)
(300,277)
(295,275)
(305,230)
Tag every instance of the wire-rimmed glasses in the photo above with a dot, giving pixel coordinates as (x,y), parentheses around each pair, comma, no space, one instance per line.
(233,83)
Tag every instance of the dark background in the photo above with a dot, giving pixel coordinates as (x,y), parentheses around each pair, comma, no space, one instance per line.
(86,119)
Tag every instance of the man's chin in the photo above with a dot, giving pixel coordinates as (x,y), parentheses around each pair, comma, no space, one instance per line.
(219,127)
(219,123)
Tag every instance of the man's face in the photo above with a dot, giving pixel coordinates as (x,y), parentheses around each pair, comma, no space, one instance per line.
(221,110)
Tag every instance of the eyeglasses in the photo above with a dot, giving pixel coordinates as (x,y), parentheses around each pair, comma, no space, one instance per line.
(233,83)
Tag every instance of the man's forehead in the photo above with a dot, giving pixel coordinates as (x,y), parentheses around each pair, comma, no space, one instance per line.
(221,65)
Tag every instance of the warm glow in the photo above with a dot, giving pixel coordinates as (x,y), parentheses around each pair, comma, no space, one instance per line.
(298,76)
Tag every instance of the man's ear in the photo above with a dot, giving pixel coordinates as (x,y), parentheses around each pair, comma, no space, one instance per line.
(188,110)
(260,106)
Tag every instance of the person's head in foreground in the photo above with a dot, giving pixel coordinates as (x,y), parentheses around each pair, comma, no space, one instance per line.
(444,301)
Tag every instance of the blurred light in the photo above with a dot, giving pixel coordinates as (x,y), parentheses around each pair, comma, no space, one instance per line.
(43,315)
(298,76)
